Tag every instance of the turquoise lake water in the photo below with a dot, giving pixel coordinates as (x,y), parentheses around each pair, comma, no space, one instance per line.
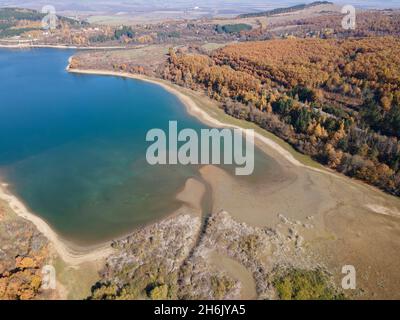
(72,147)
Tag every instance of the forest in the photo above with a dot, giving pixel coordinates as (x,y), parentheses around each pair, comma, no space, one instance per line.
(16,21)
(335,100)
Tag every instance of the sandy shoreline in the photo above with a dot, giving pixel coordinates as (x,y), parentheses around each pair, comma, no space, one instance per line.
(204,117)
(192,108)
(71,254)
(190,195)
(66,47)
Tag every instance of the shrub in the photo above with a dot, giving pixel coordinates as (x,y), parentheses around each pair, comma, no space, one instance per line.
(296,284)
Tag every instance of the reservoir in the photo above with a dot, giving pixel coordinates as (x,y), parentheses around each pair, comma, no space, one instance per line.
(73,147)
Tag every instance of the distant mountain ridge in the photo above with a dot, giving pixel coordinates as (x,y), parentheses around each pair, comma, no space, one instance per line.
(284,10)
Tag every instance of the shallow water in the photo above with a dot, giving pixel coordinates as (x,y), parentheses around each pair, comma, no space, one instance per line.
(72,147)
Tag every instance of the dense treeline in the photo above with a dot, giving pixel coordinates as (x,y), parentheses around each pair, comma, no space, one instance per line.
(284,10)
(369,23)
(338,101)
(124,31)
(20,14)
(233,28)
